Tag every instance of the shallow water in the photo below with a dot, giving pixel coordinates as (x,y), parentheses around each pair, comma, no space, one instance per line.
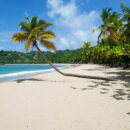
(11,72)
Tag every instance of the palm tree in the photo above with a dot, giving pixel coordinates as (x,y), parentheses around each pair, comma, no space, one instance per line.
(126,34)
(33,31)
(126,19)
(110,26)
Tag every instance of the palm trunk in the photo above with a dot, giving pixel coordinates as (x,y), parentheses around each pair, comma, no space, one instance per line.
(69,74)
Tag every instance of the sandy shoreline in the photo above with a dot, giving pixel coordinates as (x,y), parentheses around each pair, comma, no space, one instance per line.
(53,102)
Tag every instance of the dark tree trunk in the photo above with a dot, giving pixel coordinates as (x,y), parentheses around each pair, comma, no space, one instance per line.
(69,74)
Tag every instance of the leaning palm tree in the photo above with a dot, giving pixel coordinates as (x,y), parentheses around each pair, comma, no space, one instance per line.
(110,26)
(33,31)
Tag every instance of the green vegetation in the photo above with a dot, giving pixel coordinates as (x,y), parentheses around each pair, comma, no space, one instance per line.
(113,46)
(66,56)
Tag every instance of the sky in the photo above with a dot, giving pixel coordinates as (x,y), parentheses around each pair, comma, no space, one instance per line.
(73,20)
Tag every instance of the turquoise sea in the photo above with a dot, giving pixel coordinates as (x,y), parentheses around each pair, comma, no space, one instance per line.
(12,72)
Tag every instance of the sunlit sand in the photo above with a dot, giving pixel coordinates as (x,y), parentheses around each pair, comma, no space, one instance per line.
(55,102)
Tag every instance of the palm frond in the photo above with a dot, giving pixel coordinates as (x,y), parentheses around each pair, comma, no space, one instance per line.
(46,36)
(99,35)
(24,26)
(19,37)
(125,9)
(28,43)
(49,32)
(115,35)
(27,18)
(34,31)
(105,36)
(44,26)
(48,44)
(109,9)
(41,22)
(33,22)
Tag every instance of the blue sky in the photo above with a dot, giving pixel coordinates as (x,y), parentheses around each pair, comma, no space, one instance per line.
(73,20)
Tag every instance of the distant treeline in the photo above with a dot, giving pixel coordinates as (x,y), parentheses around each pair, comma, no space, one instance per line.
(62,56)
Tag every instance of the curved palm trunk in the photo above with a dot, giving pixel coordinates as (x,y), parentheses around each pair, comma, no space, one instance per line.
(69,74)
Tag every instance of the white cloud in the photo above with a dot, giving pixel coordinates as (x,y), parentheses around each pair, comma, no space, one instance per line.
(81,35)
(5,36)
(58,8)
(73,27)
(65,43)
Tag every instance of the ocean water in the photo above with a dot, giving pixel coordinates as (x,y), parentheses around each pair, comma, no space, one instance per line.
(12,72)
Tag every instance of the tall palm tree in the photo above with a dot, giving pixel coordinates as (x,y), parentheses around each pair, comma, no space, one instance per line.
(33,31)
(126,34)
(109,28)
(126,18)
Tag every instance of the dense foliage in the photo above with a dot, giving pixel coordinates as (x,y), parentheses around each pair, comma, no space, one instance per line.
(66,56)
(104,54)
(113,46)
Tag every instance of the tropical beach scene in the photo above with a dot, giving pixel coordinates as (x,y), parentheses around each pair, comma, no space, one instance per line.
(64,65)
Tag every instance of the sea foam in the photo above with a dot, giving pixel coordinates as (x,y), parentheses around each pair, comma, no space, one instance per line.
(22,74)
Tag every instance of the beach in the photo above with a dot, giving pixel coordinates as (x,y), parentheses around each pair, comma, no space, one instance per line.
(52,101)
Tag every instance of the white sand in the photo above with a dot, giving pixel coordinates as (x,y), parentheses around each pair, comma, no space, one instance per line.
(54,102)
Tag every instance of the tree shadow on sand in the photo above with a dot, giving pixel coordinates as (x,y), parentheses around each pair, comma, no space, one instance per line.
(122,93)
(33,79)
(28,79)
(91,87)
(119,94)
(128,113)
(106,87)
(99,68)
(122,76)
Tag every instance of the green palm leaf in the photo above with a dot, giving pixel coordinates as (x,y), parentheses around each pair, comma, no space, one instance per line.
(33,22)
(24,26)
(48,44)
(34,32)
(19,37)
(27,18)
(47,36)
(48,32)
(44,26)
(41,22)
(125,8)
(28,43)
(99,35)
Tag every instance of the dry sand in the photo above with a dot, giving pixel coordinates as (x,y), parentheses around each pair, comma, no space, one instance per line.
(54,102)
